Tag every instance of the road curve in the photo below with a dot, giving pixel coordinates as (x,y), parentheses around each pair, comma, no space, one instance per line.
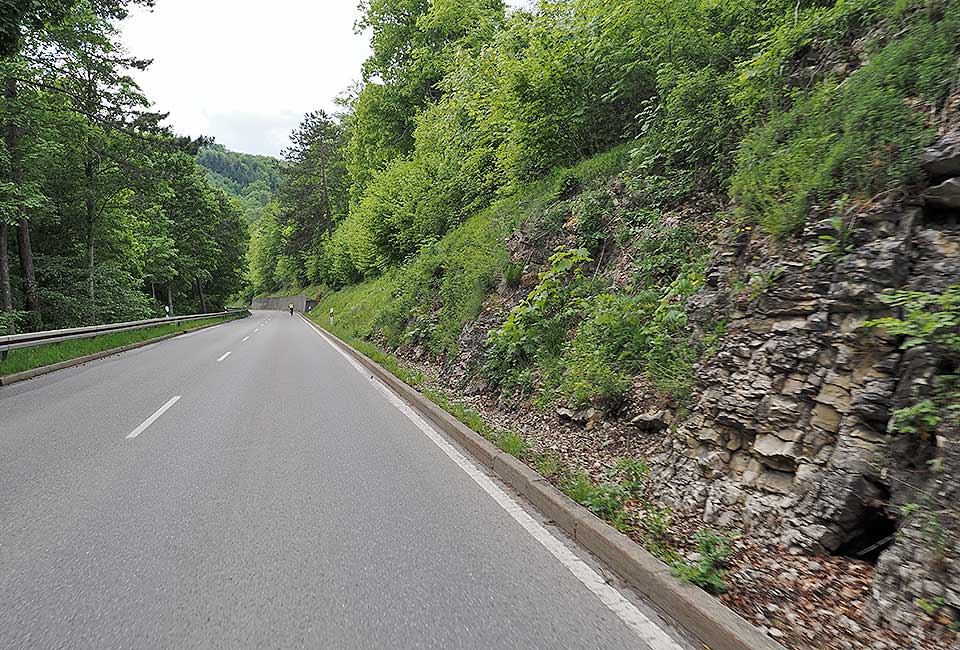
(246,487)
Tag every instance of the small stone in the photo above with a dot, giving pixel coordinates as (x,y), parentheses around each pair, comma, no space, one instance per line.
(944,195)
(651,421)
(943,158)
(826,417)
(772,446)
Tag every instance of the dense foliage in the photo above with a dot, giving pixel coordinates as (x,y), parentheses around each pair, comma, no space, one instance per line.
(250,179)
(619,130)
(104,214)
(762,99)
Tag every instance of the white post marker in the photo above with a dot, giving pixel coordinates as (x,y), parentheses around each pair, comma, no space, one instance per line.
(153,418)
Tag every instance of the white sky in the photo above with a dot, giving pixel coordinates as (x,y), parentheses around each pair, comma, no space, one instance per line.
(246,71)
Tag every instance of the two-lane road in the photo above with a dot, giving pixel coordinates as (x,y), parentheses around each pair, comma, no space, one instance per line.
(246,487)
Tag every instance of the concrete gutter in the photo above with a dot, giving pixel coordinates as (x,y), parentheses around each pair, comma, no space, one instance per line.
(693,609)
(13,378)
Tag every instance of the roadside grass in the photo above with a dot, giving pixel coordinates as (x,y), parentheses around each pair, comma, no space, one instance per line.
(414,378)
(44,355)
(513,443)
(357,308)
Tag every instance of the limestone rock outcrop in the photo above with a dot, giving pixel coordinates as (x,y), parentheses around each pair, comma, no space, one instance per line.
(789,433)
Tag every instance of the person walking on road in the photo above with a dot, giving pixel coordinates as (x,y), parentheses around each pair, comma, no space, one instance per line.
(291,309)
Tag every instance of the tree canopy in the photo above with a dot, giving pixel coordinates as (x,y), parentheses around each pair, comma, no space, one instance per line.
(111,214)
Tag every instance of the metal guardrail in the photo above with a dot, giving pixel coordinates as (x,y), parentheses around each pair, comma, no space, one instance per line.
(30,339)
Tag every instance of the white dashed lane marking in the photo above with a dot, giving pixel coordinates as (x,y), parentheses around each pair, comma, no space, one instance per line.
(153,418)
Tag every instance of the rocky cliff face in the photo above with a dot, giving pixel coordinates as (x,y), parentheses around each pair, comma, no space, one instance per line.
(789,433)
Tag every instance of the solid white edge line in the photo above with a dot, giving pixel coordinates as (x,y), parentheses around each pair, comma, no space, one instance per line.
(153,418)
(647,630)
(225,356)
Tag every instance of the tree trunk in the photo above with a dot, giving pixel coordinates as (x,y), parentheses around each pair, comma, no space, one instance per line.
(203,299)
(90,218)
(170,299)
(12,137)
(7,304)
(26,266)
(326,197)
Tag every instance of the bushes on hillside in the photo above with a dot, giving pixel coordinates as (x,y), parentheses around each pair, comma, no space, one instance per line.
(764,109)
(859,134)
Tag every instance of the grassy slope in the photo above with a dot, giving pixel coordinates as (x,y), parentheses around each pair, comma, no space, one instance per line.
(435,294)
(45,355)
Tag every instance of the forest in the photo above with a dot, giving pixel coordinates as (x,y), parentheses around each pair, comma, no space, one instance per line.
(105,214)
(250,179)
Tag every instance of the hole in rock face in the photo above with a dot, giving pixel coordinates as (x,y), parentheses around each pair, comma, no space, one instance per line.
(869,527)
(936,215)
(872,535)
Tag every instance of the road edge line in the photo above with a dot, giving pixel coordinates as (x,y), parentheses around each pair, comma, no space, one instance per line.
(688,606)
(653,634)
(13,378)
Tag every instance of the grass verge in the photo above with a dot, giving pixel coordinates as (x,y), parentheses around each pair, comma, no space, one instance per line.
(44,355)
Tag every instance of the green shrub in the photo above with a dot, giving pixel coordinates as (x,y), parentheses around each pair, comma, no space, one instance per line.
(623,335)
(920,419)
(590,381)
(11,322)
(549,464)
(927,318)
(592,211)
(664,253)
(707,571)
(513,443)
(513,274)
(537,325)
(860,136)
(656,524)
(833,245)
(606,500)
(579,487)
(632,474)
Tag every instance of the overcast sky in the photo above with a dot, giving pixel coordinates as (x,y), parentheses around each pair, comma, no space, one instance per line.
(245,72)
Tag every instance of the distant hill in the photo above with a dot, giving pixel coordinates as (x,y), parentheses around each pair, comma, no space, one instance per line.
(252,180)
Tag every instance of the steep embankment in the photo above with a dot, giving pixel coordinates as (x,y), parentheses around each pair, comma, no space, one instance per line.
(776,358)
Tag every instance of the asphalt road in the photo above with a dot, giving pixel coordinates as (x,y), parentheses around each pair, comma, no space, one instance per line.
(282,502)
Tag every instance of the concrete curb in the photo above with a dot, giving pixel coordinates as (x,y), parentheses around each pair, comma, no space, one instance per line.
(718,627)
(13,378)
